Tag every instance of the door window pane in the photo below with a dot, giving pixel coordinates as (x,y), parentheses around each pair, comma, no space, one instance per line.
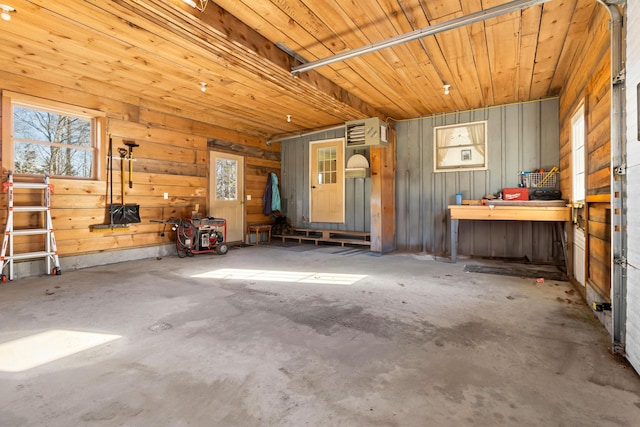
(327,163)
(226,179)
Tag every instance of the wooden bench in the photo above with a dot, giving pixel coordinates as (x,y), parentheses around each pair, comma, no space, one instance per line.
(257,229)
(336,236)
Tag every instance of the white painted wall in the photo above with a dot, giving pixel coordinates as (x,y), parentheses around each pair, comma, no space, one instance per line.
(632,338)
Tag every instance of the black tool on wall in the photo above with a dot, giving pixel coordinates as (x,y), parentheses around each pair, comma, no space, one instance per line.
(116,212)
(120,216)
(123,213)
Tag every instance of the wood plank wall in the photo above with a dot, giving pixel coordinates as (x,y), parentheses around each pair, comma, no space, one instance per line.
(259,163)
(590,83)
(172,158)
(295,185)
(521,137)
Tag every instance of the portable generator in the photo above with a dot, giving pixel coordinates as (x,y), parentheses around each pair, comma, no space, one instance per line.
(196,236)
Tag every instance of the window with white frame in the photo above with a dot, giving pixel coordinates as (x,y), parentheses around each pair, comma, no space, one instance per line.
(51,138)
(460,147)
(578,156)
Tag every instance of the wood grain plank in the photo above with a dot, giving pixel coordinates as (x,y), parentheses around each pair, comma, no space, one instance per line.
(574,42)
(554,24)
(503,44)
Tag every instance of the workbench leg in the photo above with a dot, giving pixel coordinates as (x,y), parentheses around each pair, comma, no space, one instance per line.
(454,240)
(563,242)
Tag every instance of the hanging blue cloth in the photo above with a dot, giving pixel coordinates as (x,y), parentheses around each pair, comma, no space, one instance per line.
(275,193)
(267,197)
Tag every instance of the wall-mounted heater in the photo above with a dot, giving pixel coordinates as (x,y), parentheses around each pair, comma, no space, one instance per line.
(370,132)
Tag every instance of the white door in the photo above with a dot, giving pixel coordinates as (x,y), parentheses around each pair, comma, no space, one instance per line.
(579,255)
(226,192)
(327,181)
(578,192)
(631,200)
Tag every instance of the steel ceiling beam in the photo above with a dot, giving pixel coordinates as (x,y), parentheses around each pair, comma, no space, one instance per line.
(481,15)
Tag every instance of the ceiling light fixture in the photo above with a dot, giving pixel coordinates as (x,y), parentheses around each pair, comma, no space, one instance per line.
(6,10)
(446,89)
(201,5)
(203,86)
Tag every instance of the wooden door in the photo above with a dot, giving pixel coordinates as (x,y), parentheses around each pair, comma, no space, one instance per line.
(226,192)
(327,181)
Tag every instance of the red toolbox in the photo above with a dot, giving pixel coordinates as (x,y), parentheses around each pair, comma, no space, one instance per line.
(520,193)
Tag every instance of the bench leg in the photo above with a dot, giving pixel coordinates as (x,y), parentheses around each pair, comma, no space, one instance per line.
(454,240)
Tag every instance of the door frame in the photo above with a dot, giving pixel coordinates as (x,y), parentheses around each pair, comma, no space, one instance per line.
(342,150)
(241,189)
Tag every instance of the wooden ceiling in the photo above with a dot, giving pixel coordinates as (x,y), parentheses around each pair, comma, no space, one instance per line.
(154,53)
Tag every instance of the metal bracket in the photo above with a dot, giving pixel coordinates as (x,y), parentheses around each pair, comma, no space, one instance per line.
(620,261)
(618,348)
(620,170)
(620,78)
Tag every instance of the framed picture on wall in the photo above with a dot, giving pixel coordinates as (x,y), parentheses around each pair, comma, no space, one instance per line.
(460,147)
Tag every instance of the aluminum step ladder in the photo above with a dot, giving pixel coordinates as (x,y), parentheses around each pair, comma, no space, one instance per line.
(50,252)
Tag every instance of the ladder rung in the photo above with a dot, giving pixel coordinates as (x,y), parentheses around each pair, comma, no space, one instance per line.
(30,208)
(29,231)
(30,255)
(40,185)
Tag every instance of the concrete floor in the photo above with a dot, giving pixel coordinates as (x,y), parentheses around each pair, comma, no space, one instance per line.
(415,342)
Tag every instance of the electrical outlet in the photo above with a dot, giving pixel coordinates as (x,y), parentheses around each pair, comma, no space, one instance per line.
(166,196)
(248,196)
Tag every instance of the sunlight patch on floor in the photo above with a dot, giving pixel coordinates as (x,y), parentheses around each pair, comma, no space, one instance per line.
(35,350)
(282,276)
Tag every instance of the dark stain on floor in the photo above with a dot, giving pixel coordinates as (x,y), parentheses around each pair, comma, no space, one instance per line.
(328,317)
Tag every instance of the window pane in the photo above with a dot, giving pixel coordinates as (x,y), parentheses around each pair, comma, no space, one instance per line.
(578,154)
(56,144)
(50,127)
(54,160)
(327,165)
(458,147)
(226,179)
